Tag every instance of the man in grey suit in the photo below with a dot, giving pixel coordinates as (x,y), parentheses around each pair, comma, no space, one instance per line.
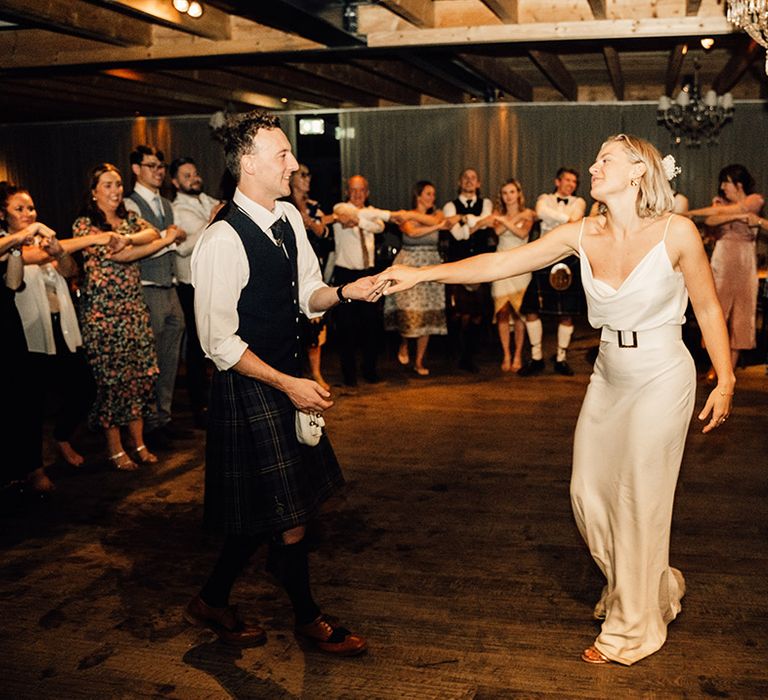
(158,283)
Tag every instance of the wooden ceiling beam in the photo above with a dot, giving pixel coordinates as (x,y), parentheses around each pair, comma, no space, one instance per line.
(556,72)
(418,12)
(735,68)
(213,24)
(77,19)
(211,95)
(240,78)
(613,65)
(543,32)
(408,75)
(32,48)
(283,77)
(500,75)
(505,10)
(598,8)
(674,66)
(362,80)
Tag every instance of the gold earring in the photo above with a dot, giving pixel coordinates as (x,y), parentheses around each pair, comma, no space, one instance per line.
(634,181)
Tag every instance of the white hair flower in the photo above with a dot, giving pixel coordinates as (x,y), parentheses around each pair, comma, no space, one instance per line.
(671,168)
(217,120)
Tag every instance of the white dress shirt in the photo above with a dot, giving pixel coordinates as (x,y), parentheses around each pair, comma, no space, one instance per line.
(552,213)
(461,232)
(220,272)
(192,213)
(348,248)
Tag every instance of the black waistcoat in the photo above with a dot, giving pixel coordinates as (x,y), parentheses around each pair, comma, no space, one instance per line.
(458,250)
(268,308)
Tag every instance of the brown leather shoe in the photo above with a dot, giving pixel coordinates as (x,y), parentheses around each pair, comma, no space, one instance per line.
(225,622)
(328,636)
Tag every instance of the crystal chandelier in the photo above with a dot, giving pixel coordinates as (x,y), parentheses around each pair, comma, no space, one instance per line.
(692,119)
(752,17)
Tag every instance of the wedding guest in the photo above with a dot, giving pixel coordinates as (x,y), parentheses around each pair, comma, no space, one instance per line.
(734,258)
(57,363)
(115,320)
(314,331)
(419,313)
(512,222)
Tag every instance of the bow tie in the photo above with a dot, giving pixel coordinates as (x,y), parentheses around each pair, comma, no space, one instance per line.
(564,200)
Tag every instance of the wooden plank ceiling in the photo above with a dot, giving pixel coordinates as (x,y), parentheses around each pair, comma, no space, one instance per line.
(70,59)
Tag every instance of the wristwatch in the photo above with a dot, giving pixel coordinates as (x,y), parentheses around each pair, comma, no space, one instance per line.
(16,252)
(340,294)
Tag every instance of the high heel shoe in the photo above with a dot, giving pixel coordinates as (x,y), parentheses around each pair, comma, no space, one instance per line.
(144,456)
(122,462)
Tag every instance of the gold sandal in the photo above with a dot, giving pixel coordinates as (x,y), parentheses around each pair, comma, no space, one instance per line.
(594,656)
(144,456)
(122,462)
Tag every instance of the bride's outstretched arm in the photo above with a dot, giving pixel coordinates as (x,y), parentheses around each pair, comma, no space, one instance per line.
(556,245)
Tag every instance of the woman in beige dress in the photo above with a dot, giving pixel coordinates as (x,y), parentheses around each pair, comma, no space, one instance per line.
(512,222)
(639,265)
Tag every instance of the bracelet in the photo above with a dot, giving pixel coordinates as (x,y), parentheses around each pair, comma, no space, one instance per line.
(724,393)
(340,294)
(16,252)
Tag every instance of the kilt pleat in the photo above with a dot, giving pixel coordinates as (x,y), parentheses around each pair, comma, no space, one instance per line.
(258,477)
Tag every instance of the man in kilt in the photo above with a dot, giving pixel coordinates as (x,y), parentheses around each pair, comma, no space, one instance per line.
(254,270)
(560,292)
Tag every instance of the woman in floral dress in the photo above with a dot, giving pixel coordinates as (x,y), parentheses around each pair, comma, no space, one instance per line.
(114,319)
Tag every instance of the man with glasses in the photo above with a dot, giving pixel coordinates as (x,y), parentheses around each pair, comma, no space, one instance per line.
(158,281)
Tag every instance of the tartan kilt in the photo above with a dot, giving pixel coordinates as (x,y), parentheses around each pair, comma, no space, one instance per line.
(542,298)
(258,477)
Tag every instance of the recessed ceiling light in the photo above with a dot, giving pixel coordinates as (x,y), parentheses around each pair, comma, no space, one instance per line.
(181,5)
(707,43)
(195,9)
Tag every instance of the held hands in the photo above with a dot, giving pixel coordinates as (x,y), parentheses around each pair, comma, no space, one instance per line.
(397,278)
(307,395)
(719,404)
(52,247)
(365,289)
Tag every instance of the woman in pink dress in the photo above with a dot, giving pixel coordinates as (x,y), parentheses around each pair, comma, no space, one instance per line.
(734,261)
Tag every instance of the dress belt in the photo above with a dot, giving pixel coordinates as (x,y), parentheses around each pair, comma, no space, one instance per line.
(654,337)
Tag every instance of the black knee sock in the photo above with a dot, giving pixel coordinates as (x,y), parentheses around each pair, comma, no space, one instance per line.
(288,562)
(235,553)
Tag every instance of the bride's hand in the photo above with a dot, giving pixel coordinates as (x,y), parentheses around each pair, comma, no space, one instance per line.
(400,278)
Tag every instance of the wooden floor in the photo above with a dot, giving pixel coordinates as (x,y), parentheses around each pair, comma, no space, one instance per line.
(453,550)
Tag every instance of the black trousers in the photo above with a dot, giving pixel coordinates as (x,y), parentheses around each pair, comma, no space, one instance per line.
(358,325)
(65,376)
(196,364)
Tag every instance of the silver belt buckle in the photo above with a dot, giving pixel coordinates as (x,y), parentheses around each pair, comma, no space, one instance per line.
(622,344)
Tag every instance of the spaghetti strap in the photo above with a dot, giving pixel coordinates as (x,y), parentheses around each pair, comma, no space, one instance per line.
(666,228)
(581,230)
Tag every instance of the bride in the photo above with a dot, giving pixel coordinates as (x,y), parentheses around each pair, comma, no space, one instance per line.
(640,263)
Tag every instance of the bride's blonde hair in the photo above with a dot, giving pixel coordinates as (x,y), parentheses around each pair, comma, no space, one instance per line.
(655,196)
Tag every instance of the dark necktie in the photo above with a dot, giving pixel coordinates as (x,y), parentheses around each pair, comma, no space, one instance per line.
(564,200)
(279,230)
(470,203)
